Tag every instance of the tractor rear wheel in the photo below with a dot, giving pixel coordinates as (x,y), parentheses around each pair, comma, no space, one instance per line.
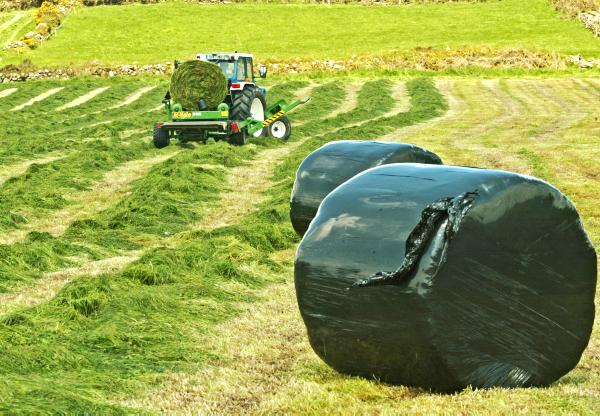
(249,102)
(281,128)
(160,137)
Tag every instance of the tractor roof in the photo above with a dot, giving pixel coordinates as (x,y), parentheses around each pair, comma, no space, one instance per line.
(227,56)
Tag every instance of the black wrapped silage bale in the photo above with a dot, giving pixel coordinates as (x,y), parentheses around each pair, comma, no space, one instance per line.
(334,163)
(442,277)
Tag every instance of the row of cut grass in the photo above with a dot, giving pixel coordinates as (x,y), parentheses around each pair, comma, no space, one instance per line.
(39,129)
(46,188)
(371,104)
(327,98)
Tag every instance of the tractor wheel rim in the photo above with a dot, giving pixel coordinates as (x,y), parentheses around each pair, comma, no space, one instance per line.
(257,112)
(278,129)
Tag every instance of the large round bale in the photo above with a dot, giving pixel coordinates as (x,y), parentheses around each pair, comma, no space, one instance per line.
(443,277)
(193,81)
(334,163)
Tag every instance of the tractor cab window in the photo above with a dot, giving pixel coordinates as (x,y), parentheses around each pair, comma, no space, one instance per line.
(241,71)
(227,67)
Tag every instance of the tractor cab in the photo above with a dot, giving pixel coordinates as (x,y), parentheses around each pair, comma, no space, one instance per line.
(237,67)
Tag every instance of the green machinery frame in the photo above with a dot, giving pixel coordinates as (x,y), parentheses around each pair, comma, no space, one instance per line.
(219,118)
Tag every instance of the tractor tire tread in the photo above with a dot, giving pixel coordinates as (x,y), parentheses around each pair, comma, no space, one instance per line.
(242,102)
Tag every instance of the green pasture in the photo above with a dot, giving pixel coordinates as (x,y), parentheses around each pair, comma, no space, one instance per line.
(144,34)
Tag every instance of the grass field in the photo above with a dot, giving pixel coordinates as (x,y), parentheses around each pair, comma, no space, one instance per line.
(143,281)
(156,33)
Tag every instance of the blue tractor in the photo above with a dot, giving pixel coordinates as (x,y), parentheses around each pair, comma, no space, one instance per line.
(243,114)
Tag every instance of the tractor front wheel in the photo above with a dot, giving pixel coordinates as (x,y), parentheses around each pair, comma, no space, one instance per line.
(281,128)
(160,137)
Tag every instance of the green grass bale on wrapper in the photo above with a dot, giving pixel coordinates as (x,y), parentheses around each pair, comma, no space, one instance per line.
(193,81)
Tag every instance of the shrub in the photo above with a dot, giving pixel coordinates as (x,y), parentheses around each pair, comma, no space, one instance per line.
(49,14)
(48,18)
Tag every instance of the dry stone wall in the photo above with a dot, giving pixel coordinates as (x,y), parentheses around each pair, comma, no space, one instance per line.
(426,60)
(591,20)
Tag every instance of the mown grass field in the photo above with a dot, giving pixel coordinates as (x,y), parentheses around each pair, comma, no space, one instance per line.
(134,280)
(143,281)
(156,33)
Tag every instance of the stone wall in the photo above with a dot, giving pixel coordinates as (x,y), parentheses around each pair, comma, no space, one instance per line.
(422,60)
(591,20)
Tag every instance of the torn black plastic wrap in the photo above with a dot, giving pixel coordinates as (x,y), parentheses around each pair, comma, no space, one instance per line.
(334,163)
(441,217)
(498,291)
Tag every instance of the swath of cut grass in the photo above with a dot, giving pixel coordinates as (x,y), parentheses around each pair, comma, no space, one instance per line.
(372,103)
(45,188)
(455,109)
(350,100)
(325,98)
(401,99)
(7,91)
(101,195)
(11,171)
(48,286)
(38,98)
(133,97)
(83,99)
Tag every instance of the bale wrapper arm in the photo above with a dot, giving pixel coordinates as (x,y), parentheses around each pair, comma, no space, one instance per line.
(273,113)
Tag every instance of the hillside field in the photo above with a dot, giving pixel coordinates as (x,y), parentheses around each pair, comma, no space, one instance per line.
(142,281)
(148,34)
